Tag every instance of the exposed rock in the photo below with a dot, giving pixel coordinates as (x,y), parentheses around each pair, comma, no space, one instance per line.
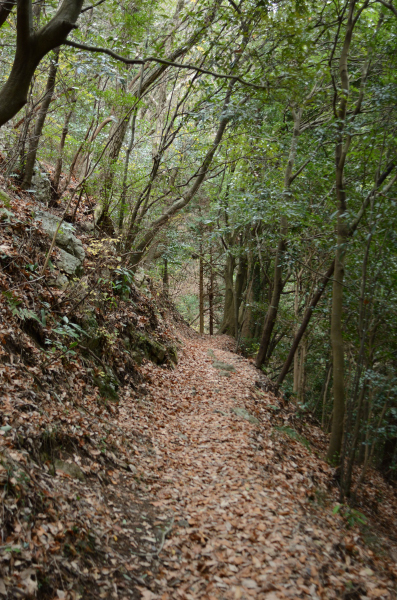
(42,186)
(65,237)
(156,352)
(69,263)
(61,281)
(183,523)
(173,354)
(141,344)
(241,412)
(70,469)
(71,249)
(87,226)
(139,276)
(108,385)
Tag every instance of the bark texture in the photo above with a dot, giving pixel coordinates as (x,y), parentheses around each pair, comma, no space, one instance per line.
(38,128)
(31,47)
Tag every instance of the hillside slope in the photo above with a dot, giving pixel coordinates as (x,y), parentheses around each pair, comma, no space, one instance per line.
(70,345)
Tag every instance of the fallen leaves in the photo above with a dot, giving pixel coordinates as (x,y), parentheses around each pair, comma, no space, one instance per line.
(245,524)
(195,485)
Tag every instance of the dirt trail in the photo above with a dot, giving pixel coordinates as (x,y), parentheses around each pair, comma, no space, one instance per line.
(248,502)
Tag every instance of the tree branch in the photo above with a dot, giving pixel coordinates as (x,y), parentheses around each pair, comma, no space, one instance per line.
(364,205)
(24,22)
(161,61)
(5,9)
(92,6)
(389,5)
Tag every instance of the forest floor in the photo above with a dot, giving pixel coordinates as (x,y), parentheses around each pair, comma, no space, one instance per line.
(193,482)
(247,508)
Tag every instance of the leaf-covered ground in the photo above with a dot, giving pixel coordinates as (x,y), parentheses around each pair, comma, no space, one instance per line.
(253,514)
(189,482)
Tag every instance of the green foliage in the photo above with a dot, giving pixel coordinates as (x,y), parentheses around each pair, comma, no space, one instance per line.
(17,310)
(293,434)
(352,516)
(122,284)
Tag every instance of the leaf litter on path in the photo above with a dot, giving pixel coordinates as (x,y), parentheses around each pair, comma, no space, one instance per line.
(253,509)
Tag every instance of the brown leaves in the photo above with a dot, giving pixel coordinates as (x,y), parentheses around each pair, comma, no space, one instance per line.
(244,525)
(183,489)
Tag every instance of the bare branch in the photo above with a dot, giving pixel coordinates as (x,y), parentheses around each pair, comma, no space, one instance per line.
(92,6)
(162,61)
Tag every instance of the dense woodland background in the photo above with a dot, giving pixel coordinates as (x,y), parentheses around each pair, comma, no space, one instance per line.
(244,154)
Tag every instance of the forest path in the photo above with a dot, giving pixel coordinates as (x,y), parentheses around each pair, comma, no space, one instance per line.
(244,523)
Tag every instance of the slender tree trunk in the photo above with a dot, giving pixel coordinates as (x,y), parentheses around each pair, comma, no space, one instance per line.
(325,394)
(211,293)
(347,478)
(247,313)
(302,371)
(201,289)
(228,321)
(338,355)
(166,283)
(278,285)
(241,279)
(369,450)
(272,311)
(24,136)
(296,311)
(65,131)
(34,141)
(72,170)
(305,323)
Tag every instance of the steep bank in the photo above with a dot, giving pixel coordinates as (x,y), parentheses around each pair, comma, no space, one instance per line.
(72,344)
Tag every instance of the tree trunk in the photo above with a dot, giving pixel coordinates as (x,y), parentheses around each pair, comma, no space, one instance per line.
(211,294)
(325,394)
(228,322)
(338,355)
(65,131)
(38,128)
(31,48)
(302,371)
(304,324)
(278,285)
(24,136)
(241,279)
(166,283)
(201,289)
(247,314)
(272,311)
(296,311)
